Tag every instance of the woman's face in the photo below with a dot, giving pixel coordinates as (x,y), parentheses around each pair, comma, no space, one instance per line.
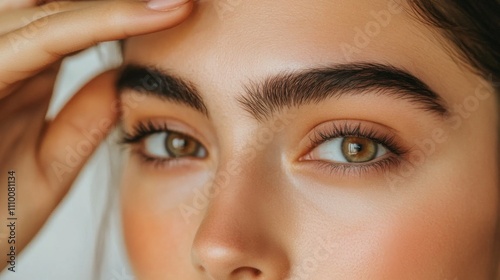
(291,140)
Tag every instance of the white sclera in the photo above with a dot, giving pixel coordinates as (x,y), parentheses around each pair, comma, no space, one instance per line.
(154,145)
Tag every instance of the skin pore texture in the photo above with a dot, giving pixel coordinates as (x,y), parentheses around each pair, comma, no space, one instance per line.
(265,197)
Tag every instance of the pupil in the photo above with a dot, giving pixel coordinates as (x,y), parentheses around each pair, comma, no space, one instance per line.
(354,148)
(357,149)
(178,143)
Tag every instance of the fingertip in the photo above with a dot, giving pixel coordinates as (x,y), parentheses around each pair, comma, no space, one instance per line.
(134,22)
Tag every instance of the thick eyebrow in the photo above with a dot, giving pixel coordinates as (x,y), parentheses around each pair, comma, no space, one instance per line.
(152,81)
(262,99)
(311,86)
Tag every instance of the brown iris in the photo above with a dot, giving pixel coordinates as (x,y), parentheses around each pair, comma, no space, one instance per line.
(356,149)
(179,145)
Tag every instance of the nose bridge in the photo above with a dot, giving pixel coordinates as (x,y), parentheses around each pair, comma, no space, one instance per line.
(238,238)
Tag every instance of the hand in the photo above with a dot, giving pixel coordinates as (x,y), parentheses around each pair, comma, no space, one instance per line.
(33,40)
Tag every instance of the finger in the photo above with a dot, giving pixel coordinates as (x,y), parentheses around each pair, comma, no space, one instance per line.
(18,18)
(16,4)
(72,137)
(34,92)
(49,74)
(26,51)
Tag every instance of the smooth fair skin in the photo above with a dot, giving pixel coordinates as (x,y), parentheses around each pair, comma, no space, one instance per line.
(263,203)
(262,197)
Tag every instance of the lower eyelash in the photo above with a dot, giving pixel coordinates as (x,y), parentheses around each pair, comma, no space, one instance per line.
(357,170)
(159,163)
(156,162)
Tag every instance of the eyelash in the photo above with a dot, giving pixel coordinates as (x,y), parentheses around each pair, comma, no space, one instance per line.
(397,151)
(143,130)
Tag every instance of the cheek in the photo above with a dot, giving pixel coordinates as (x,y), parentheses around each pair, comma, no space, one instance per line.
(439,223)
(444,237)
(155,243)
(449,227)
(158,234)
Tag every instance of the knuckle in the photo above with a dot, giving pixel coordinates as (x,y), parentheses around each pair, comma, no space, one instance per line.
(54,7)
(117,12)
(116,15)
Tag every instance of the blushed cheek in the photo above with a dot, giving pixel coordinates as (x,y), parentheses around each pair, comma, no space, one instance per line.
(157,235)
(451,234)
(446,225)
(439,226)
(157,245)
(139,233)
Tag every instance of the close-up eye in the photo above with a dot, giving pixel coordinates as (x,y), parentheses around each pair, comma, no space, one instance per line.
(348,150)
(172,145)
(354,146)
(156,142)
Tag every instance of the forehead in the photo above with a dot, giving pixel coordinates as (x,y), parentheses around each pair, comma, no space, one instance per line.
(225,43)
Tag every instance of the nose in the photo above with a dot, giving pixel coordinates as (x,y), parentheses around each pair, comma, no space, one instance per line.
(240,236)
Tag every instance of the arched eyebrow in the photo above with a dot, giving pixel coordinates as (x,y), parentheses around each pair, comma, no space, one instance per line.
(262,99)
(311,86)
(158,83)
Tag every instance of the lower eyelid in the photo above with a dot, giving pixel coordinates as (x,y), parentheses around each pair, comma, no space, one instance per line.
(359,169)
(159,163)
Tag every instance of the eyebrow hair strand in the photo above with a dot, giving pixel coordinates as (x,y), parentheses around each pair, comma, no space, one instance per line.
(262,99)
(152,81)
(311,86)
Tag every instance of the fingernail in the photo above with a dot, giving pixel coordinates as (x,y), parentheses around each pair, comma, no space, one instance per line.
(166,5)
